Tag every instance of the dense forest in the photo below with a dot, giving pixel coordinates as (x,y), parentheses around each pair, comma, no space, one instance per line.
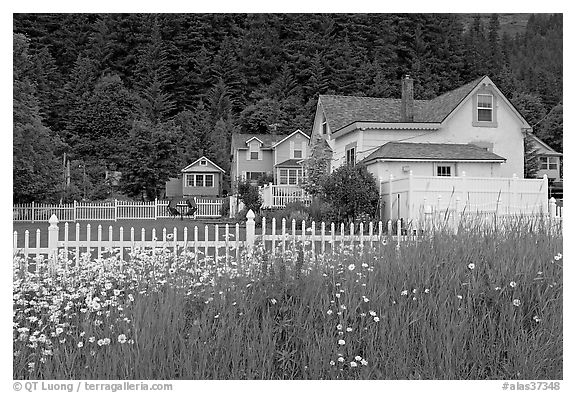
(146,94)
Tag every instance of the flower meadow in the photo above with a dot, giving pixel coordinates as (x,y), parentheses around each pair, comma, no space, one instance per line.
(473,305)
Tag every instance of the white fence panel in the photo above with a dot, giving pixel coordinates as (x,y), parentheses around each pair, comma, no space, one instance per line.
(113,211)
(408,197)
(130,210)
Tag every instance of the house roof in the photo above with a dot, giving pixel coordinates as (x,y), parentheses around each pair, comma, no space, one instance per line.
(341,111)
(268,140)
(432,151)
(189,167)
(543,148)
(293,162)
(288,136)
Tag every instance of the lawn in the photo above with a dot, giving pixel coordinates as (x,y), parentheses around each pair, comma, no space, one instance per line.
(477,305)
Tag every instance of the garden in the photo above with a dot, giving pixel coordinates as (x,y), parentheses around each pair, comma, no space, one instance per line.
(480,304)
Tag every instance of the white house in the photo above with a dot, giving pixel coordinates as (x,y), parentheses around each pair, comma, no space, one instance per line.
(472,129)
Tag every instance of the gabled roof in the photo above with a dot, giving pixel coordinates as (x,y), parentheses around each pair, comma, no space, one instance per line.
(341,111)
(289,136)
(198,160)
(254,137)
(268,140)
(432,151)
(547,150)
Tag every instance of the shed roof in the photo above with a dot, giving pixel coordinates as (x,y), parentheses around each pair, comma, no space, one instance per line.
(432,151)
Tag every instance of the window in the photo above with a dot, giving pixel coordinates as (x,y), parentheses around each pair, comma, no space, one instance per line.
(485,107)
(324,127)
(443,170)
(548,163)
(199,180)
(297,153)
(203,162)
(208,181)
(253,155)
(290,176)
(254,175)
(351,156)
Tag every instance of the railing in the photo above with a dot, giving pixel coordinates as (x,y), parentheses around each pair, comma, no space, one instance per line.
(113,211)
(276,195)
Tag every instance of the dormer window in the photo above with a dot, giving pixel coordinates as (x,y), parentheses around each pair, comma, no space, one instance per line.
(324,127)
(254,151)
(485,107)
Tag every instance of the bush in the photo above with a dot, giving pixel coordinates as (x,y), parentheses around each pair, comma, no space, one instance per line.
(225,208)
(320,211)
(352,192)
(250,196)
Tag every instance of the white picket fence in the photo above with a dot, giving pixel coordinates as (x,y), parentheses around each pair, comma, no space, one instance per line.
(113,211)
(214,240)
(276,195)
(228,240)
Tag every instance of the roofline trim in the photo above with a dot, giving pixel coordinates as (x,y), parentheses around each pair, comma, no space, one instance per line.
(538,140)
(289,136)
(364,125)
(254,137)
(203,158)
(432,160)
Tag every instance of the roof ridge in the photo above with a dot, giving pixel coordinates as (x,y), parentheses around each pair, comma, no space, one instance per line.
(474,81)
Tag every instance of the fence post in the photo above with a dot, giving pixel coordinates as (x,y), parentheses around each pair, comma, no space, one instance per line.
(53,237)
(410,200)
(115,210)
(390,197)
(545,183)
(250,231)
(156,208)
(75,203)
(32,211)
(552,207)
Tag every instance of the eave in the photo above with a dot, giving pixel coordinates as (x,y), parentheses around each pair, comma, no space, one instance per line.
(367,125)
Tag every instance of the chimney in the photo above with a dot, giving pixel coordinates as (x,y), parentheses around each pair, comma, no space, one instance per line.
(407,105)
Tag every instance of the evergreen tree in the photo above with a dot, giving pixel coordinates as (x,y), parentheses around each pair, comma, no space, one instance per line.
(35,168)
(152,148)
(531,159)
(156,103)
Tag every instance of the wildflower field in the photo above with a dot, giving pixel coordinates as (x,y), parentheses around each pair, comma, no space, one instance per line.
(477,305)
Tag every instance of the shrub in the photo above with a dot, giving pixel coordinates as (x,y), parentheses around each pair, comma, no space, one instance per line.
(352,192)
(320,211)
(225,208)
(250,196)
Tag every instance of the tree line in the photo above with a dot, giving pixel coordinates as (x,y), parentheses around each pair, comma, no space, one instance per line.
(146,94)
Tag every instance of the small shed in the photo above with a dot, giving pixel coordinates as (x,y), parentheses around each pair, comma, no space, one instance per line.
(201,178)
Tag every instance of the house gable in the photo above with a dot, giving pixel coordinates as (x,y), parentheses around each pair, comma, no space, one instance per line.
(542,148)
(203,164)
(293,146)
(486,86)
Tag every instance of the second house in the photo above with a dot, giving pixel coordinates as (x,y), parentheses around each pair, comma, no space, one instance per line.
(278,156)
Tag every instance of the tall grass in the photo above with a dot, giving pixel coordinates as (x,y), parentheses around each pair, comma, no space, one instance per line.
(480,304)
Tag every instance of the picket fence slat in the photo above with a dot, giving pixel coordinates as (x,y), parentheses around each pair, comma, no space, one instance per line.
(307,236)
(113,211)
